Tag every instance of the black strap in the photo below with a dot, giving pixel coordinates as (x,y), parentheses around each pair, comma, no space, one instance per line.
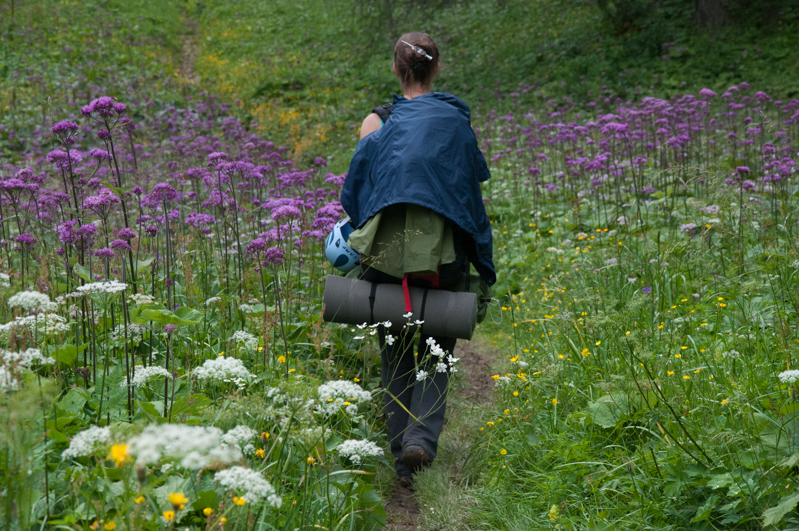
(424,303)
(383,111)
(372,303)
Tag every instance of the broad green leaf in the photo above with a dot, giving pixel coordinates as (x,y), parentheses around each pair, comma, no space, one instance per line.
(67,354)
(703,512)
(774,515)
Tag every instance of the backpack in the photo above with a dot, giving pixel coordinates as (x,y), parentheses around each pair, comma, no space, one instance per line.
(384,111)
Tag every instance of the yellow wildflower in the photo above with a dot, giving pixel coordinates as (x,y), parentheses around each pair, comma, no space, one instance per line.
(554,401)
(169,515)
(208,511)
(310,460)
(260,452)
(177,499)
(503,452)
(119,454)
(110,526)
(281,359)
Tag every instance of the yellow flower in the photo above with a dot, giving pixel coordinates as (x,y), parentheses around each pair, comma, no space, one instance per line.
(347,403)
(503,452)
(660,327)
(356,380)
(670,373)
(628,333)
(678,356)
(554,401)
(208,511)
(490,423)
(260,452)
(109,526)
(221,353)
(585,351)
(721,298)
(265,435)
(683,348)
(310,460)
(292,370)
(223,520)
(139,499)
(725,401)
(507,411)
(722,305)
(686,377)
(281,359)
(177,499)
(560,356)
(599,342)
(119,454)
(516,393)
(169,515)
(239,501)
(94,525)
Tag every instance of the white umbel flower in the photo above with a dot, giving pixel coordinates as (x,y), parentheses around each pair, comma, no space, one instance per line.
(87,442)
(32,300)
(341,394)
(239,436)
(143,375)
(356,451)
(111,286)
(789,376)
(249,484)
(222,369)
(194,447)
(246,338)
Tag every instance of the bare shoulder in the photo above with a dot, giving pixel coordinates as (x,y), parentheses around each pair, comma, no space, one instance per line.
(370,124)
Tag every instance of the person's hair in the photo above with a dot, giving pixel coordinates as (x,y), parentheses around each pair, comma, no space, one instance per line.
(412,67)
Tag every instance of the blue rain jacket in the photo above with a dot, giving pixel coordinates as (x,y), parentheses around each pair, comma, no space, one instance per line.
(426,154)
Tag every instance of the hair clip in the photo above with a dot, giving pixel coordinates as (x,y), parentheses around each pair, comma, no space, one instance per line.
(418,50)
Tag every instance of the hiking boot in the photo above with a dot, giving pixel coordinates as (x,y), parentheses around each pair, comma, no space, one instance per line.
(415,458)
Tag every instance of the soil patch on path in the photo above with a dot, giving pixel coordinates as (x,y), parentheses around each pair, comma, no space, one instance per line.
(474,388)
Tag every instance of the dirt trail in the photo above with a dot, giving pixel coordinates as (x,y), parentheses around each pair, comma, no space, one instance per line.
(189,50)
(402,509)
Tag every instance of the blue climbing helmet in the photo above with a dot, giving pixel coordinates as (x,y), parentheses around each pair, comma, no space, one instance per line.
(338,253)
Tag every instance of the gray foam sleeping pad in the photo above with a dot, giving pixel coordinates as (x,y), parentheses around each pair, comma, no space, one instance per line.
(446,313)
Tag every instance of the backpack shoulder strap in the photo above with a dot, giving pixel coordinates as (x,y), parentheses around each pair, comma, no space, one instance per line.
(383,111)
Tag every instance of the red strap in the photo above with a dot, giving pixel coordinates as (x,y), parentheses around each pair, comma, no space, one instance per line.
(408,307)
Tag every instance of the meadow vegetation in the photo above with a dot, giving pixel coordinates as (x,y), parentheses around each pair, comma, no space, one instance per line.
(163,358)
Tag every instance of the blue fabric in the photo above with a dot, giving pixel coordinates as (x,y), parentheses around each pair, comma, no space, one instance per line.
(425,154)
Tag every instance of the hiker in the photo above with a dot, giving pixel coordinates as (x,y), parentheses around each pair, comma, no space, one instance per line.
(413,195)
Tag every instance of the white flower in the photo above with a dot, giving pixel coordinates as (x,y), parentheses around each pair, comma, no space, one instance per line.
(222,369)
(341,394)
(611,261)
(452,361)
(135,333)
(441,367)
(249,484)
(87,442)
(387,324)
(249,340)
(141,298)
(421,375)
(356,451)
(143,375)
(25,359)
(418,322)
(358,337)
(239,436)
(789,376)
(194,447)
(407,315)
(32,300)
(44,323)
(212,300)
(111,286)
(8,380)
(5,281)
(390,339)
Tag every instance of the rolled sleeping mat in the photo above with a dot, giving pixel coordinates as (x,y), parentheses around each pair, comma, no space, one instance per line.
(445,313)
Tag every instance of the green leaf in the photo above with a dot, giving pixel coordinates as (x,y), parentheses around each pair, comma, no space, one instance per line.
(720,481)
(774,515)
(82,272)
(610,410)
(190,405)
(148,411)
(117,191)
(67,354)
(73,401)
(205,498)
(703,513)
(141,264)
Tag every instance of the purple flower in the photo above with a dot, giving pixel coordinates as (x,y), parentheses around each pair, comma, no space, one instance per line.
(103,106)
(126,234)
(256,246)
(121,245)
(742,170)
(99,154)
(286,212)
(707,93)
(62,160)
(26,241)
(101,203)
(64,129)
(273,256)
(319,161)
(151,231)
(104,134)
(105,252)
(216,158)
(164,193)
(646,290)
(170,328)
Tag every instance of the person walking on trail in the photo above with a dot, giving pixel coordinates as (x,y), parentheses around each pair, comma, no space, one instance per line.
(413,195)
